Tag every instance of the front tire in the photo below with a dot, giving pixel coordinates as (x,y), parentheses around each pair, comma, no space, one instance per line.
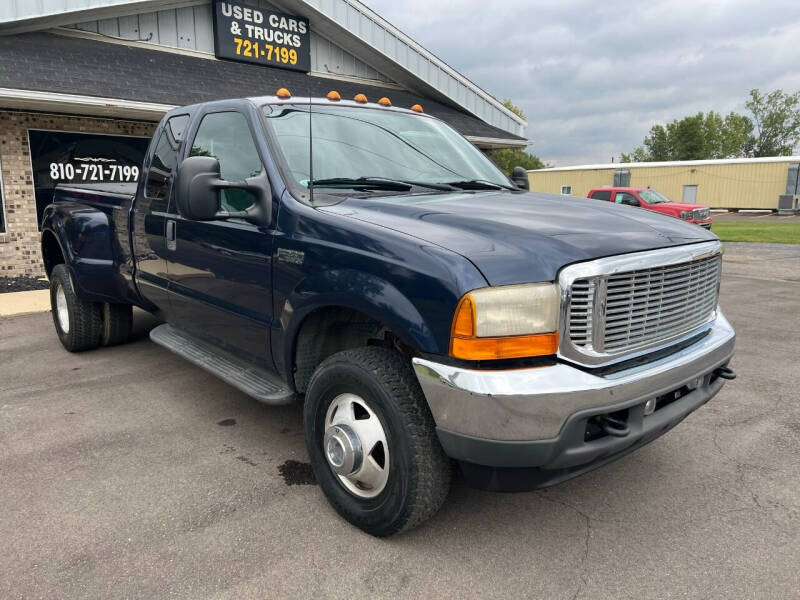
(78,322)
(372,441)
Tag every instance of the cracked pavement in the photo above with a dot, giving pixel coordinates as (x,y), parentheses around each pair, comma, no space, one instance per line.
(127,472)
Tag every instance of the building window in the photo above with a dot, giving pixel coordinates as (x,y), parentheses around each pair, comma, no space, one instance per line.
(81,158)
(566,190)
(622,178)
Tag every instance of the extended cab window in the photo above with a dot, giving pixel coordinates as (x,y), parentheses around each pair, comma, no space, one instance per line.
(601,195)
(165,159)
(226,136)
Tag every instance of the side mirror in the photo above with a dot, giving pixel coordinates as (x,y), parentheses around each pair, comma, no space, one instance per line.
(520,178)
(197,192)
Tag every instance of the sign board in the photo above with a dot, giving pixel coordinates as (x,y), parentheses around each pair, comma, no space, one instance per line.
(262,37)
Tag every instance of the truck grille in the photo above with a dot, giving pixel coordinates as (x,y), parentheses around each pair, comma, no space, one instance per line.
(701,214)
(610,316)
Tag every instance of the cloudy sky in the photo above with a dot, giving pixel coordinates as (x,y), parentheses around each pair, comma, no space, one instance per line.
(594,76)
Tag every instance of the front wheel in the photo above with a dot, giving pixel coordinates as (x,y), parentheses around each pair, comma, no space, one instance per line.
(372,442)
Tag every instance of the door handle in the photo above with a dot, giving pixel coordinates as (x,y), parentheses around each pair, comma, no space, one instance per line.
(171,243)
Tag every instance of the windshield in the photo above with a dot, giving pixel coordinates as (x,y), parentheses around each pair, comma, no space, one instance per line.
(653,197)
(352,143)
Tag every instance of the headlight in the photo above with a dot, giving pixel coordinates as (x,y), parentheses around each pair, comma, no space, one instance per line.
(686,215)
(511,321)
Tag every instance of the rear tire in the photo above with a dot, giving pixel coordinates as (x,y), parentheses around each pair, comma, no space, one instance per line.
(383,387)
(117,323)
(78,322)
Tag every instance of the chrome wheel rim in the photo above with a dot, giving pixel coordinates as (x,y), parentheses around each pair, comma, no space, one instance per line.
(355,446)
(62,313)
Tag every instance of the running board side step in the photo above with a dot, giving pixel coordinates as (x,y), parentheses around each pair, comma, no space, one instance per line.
(263,385)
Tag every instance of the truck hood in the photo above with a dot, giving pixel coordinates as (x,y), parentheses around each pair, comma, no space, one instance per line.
(522,237)
(676,206)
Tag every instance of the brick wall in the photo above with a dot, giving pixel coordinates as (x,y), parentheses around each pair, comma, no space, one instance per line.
(19,245)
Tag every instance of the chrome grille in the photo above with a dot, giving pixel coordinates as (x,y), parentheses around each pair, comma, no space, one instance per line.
(659,303)
(614,312)
(701,214)
(580,313)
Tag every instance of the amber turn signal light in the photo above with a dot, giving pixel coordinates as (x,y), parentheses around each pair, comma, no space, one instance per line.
(360,98)
(385,101)
(417,108)
(515,346)
(283,93)
(334,95)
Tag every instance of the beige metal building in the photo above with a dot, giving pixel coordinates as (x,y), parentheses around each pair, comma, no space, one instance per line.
(740,183)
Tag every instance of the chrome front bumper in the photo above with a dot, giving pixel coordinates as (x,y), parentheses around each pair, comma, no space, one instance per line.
(535,403)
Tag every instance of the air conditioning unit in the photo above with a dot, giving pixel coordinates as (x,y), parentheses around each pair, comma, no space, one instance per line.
(789,204)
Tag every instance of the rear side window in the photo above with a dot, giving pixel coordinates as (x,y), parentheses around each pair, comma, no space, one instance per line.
(165,159)
(601,195)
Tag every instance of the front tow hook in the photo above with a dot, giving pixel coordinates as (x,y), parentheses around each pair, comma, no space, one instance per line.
(612,426)
(725,373)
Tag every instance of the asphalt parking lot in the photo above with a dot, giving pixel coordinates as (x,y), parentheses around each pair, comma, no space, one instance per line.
(127,472)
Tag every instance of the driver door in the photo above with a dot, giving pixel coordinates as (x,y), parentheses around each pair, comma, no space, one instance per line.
(220,271)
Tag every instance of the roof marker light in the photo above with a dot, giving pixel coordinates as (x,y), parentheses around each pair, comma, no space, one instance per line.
(417,108)
(283,93)
(385,101)
(360,98)
(334,96)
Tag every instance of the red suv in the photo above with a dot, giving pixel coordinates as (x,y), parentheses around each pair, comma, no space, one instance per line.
(652,200)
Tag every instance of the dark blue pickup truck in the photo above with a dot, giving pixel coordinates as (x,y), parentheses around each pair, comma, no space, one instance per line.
(426,311)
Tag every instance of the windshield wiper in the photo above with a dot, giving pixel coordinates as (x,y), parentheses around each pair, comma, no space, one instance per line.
(379,183)
(479,184)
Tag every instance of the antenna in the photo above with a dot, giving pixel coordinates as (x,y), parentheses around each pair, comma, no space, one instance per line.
(310,152)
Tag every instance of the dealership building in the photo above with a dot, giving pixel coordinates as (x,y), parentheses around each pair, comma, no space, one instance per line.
(84,82)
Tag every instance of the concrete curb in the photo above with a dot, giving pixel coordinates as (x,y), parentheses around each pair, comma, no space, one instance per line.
(23,303)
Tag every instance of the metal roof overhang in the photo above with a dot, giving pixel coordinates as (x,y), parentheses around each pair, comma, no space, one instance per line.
(117,108)
(52,102)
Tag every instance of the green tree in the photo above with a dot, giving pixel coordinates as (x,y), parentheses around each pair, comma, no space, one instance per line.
(514,108)
(696,137)
(639,154)
(508,158)
(658,144)
(736,136)
(688,138)
(777,122)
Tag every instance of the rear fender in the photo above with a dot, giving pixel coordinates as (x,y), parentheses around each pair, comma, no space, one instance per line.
(87,239)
